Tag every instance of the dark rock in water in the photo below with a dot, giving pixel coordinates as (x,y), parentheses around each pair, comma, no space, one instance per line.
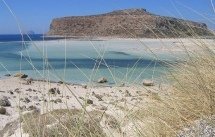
(20,75)
(4,101)
(148,83)
(3,110)
(7,75)
(89,101)
(102,80)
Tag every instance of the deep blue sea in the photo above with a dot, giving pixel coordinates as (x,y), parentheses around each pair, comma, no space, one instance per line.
(18,37)
(120,61)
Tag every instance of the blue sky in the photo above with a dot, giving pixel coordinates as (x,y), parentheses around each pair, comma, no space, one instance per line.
(36,15)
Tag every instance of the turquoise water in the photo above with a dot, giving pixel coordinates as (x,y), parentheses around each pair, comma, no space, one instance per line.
(120,61)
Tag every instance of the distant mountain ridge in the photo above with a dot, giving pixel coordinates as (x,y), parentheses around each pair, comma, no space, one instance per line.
(128,23)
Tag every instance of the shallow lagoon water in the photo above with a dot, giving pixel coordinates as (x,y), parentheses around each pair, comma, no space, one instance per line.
(120,61)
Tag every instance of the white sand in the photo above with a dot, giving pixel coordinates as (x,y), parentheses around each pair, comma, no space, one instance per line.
(39,93)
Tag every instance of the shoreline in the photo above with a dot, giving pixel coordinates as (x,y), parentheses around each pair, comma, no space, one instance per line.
(93,84)
(76,38)
(122,38)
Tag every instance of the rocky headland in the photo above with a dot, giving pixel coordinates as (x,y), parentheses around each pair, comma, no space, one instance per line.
(128,23)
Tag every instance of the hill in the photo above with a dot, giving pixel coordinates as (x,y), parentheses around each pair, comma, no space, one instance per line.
(128,23)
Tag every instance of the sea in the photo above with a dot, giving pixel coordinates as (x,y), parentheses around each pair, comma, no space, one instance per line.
(120,61)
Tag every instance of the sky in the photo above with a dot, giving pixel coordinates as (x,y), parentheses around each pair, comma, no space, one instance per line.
(36,15)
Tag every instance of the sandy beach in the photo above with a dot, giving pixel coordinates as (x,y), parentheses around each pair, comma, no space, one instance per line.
(45,97)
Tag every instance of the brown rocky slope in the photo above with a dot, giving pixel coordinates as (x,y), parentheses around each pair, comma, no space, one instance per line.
(127,23)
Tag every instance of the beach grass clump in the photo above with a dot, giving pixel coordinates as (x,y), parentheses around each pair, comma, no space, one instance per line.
(194,89)
(67,123)
(191,97)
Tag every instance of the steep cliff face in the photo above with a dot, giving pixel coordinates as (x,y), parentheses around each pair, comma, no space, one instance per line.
(126,23)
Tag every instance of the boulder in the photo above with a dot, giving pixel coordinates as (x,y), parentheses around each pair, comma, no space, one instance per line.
(99,97)
(58,100)
(81,98)
(58,91)
(102,107)
(54,91)
(24,76)
(20,75)
(26,100)
(84,86)
(17,90)
(22,108)
(4,101)
(29,81)
(34,108)
(148,83)
(2,110)
(60,82)
(102,80)
(127,94)
(29,89)
(89,101)
(11,92)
